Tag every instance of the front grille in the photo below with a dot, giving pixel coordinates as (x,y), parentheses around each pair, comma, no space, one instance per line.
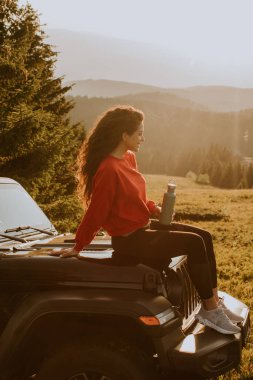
(190,298)
(246,330)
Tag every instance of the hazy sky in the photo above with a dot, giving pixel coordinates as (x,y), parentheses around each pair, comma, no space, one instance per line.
(217,31)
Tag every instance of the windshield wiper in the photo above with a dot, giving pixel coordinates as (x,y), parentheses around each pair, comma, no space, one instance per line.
(21,240)
(21,228)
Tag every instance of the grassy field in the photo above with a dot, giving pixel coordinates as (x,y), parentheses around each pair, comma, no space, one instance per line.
(228,215)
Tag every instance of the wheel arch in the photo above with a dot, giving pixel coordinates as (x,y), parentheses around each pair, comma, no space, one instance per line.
(53,330)
(37,329)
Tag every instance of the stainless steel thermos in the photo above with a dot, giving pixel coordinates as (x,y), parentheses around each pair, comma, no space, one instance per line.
(167,211)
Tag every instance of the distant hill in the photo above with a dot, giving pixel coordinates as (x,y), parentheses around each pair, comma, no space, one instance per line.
(214,98)
(218,98)
(108,88)
(162,98)
(83,55)
(174,124)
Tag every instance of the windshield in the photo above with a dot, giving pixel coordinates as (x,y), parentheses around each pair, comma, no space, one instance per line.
(17,208)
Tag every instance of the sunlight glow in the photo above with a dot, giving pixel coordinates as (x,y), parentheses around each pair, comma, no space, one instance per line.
(188,345)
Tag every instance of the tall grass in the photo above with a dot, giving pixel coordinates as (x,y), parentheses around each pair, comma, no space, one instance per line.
(228,215)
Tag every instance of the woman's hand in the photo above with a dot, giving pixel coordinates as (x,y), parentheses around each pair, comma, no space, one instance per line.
(65,252)
(157,212)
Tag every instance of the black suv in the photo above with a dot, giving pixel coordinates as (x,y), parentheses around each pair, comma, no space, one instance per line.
(93,319)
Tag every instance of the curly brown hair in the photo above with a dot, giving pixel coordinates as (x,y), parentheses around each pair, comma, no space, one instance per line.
(102,139)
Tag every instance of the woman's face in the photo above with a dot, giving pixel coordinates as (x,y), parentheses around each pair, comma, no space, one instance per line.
(133,141)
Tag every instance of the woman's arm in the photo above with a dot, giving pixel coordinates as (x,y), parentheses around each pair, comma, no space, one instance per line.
(101,203)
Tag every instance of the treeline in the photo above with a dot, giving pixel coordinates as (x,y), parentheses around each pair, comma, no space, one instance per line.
(216,166)
(182,138)
(175,125)
(225,170)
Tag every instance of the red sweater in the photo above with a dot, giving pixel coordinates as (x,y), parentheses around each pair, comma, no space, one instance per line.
(118,203)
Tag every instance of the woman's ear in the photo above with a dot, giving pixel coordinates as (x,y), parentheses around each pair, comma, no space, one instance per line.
(124,136)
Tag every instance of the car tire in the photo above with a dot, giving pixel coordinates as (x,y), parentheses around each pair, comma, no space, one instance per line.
(96,362)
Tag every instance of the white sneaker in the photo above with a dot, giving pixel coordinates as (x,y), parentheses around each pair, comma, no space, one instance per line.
(232,316)
(217,320)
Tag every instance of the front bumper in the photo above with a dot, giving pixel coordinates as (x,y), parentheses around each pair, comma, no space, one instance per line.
(205,352)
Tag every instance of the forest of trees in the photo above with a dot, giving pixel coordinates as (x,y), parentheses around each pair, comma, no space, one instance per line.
(180,139)
(40,129)
(216,166)
(176,124)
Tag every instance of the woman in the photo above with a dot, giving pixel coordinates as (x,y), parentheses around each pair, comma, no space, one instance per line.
(115,192)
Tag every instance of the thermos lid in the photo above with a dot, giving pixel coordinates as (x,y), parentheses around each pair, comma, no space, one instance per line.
(171,186)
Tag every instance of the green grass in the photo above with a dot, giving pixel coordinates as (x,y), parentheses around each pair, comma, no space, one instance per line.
(228,215)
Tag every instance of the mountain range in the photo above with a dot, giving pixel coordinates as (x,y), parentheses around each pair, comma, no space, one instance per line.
(213,98)
(84,55)
(184,108)
(174,124)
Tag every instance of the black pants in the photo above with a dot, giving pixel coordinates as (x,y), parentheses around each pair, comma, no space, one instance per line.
(157,247)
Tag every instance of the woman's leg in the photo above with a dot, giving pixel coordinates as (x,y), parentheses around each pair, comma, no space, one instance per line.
(208,241)
(159,247)
(207,237)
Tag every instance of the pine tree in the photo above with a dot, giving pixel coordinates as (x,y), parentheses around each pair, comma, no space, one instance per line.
(226,181)
(237,174)
(37,142)
(250,176)
(216,173)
